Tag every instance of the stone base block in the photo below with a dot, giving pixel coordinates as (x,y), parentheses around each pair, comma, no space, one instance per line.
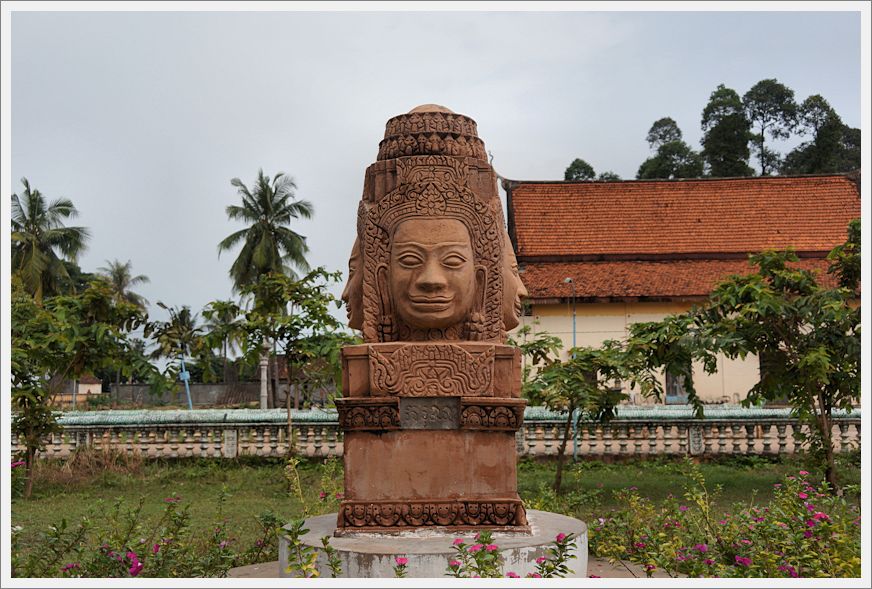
(428,550)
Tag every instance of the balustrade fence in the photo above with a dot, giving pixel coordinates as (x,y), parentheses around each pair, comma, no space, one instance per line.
(635,431)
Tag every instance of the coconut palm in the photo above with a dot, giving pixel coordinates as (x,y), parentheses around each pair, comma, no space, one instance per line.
(176,337)
(268,244)
(120,277)
(40,241)
(224,327)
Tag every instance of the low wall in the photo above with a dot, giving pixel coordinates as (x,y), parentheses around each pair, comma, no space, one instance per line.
(201,394)
(635,431)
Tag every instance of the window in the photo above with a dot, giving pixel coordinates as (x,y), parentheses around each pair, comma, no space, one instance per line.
(676,392)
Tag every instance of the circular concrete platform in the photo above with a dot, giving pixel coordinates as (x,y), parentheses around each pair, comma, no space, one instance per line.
(428,550)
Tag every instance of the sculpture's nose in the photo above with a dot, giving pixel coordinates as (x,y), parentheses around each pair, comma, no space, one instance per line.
(431,278)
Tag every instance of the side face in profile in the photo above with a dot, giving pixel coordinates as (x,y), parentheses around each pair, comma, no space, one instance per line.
(352,296)
(432,272)
(513,287)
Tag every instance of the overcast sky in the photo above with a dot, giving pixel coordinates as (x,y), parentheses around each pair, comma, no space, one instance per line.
(142,119)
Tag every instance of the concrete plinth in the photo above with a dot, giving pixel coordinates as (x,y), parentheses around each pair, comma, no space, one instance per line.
(429,550)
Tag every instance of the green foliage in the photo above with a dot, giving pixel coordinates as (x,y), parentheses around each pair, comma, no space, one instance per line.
(608,176)
(834,147)
(726,133)
(770,107)
(481,558)
(673,158)
(268,245)
(41,242)
(121,279)
(804,531)
(579,170)
(302,558)
(845,259)
(537,350)
(119,541)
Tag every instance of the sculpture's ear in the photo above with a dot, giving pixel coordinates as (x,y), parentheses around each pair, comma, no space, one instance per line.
(480,288)
(386,308)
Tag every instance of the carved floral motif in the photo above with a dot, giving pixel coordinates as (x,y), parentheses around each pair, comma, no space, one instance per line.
(371,414)
(431,144)
(503,417)
(432,370)
(415,514)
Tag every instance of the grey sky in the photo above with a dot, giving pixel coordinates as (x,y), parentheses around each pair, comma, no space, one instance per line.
(142,119)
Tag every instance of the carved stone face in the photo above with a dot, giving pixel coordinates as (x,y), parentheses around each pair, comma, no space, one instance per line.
(513,287)
(432,272)
(352,296)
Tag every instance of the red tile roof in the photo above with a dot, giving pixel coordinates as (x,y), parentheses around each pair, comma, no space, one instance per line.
(738,215)
(641,280)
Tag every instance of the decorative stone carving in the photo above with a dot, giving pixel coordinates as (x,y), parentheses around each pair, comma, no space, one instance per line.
(395,515)
(368,414)
(504,415)
(352,295)
(431,370)
(513,288)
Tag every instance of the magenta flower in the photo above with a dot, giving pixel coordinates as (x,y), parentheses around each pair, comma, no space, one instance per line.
(650,567)
(561,537)
(512,575)
(709,561)
(819,515)
(777,485)
(475,547)
(538,576)
(135,565)
(540,560)
(401,561)
(322,495)
(458,541)
(69,567)
(811,523)
(339,495)
(491,547)
(802,495)
(744,561)
(634,488)
(175,499)
(803,472)
(222,544)
(807,534)
(155,549)
(639,545)
(701,547)
(682,508)
(18,463)
(454,563)
(723,522)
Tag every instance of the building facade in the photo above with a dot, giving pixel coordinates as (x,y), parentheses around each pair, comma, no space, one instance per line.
(629,251)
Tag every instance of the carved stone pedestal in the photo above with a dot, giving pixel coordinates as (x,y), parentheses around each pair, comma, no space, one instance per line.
(430,437)
(429,550)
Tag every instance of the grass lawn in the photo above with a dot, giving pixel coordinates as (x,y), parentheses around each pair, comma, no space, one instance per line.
(90,486)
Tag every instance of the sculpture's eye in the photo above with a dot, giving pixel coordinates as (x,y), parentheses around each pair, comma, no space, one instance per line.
(410,260)
(453,261)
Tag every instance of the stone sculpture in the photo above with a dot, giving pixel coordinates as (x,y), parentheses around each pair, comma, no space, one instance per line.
(431,400)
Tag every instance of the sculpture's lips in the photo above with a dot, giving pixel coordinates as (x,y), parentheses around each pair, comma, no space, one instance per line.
(431,299)
(431,304)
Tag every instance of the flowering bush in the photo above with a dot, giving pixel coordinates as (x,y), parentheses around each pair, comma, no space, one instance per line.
(482,558)
(126,544)
(805,531)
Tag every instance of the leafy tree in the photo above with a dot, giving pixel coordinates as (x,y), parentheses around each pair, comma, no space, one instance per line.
(770,107)
(834,147)
(780,312)
(63,337)
(295,314)
(608,176)
(662,132)
(673,158)
(177,336)
(40,241)
(223,328)
(726,132)
(268,244)
(537,350)
(584,382)
(122,280)
(579,170)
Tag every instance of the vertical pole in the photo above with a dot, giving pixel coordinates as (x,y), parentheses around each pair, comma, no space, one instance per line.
(576,412)
(185,376)
(264,363)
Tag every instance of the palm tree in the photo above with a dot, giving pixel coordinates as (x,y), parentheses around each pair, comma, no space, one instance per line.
(176,337)
(120,277)
(40,241)
(268,245)
(224,327)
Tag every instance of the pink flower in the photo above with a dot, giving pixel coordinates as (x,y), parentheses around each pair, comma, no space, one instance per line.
(802,495)
(803,472)
(777,485)
(561,537)
(18,463)
(222,544)
(401,561)
(709,561)
(175,499)
(538,576)
(322,495)
(155,549)
(819,515)
(475,547)
(682,508)
(650,567)
(639,545)
(634,488)
(746,562)
(723,522)
(491,547)
(746,542)
(702,547)
(512,575)
(458,541)
(135,565)
(339,495)
(811,523)
(454,563)
(540,560)
(69,567)
(807,534)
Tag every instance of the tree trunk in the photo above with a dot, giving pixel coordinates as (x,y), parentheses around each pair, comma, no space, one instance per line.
(291,447)
(826,425)
(117,385)
(28,482)
(274,392)
(224,354)
(561,450)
